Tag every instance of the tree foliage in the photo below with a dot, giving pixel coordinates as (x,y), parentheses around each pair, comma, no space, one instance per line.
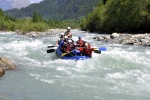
(36,23)
(57,9)
(120,16)
(37,18)
(1,13)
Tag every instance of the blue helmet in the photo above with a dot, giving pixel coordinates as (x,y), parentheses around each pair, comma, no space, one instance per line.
(79,37)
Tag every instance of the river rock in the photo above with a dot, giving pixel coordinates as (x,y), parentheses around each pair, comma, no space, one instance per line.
(127,41)
(99,38)
(114,35)
(125,38)
(145,42)
(5,63)
(2,72)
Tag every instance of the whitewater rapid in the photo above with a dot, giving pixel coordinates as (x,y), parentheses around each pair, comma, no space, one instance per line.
(120,73)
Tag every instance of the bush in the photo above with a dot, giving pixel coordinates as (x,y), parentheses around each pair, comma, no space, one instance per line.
(119,16)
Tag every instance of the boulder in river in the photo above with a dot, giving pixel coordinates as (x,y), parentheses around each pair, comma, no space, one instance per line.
(2,72)
(5,63)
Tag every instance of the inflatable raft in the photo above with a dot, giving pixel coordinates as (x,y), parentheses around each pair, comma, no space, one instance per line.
(73,55)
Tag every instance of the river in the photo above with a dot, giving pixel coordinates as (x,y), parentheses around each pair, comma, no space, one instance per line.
(120,73)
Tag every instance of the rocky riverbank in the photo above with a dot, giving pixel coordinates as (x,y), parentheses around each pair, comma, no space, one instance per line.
(38,34)
(123,38)
(132,39)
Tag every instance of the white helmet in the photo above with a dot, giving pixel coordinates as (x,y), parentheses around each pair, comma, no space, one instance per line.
(62,34)
(69,41)
(58,39)
(66,37)
(68,28)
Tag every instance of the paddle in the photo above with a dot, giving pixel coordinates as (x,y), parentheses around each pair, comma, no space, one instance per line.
(102,49)
(50,50)
(75,51)
(63,54)
(99,50)
(50,46)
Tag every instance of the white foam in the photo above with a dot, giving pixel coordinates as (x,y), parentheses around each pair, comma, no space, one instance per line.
(7,33)
(117,75)
(132,56)
(35,75)
(144,79)
(48,81)
(147,52)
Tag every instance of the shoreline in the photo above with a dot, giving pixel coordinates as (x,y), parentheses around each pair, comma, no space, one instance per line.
(119,38)
(126,38)
(37,34)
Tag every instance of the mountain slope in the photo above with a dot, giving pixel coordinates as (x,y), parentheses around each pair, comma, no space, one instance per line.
(57,9)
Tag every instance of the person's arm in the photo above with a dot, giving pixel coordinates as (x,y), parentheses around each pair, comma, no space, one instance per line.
(69,34)
(56,43)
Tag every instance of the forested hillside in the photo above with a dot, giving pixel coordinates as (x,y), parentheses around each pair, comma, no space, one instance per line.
(119,16)
(57,9)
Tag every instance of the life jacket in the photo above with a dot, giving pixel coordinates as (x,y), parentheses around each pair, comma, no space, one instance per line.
(72,46)
(61,38)
(80,43)
(88,50)
(61,44)
(67,47)
(81,49)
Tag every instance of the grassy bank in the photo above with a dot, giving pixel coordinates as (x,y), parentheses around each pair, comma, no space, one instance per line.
(36,23)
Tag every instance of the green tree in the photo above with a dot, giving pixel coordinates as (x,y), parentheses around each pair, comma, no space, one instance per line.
(1,13)
(57,9)
(120,16)
(145,14)
(93,20)
(104,2)
(35,17)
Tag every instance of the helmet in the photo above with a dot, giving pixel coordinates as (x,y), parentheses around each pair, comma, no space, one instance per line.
(69,41)
(68,28)
(58,39)
(66,37)
(79,37)
(86,44)
(75,43)
(62,33)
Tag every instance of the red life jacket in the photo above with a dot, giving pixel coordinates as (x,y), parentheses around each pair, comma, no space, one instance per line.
(67,48)
(80,43)
(88,50)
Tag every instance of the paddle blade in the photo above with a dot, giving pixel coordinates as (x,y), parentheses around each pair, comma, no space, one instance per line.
(50,50)
(63,54)
(97,51)
(102,49)
(50,46)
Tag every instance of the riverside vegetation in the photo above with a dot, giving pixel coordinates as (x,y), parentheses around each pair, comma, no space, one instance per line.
(35,23)
(122,16)
(47,14)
